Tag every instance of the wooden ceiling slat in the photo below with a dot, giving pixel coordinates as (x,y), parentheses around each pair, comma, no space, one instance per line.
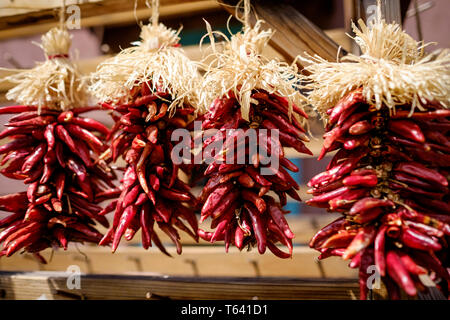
(294,33)
(93,13)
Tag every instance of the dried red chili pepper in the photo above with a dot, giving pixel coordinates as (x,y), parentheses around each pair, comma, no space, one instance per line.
(398,220)
(47,164)
(257,218)
(152,191)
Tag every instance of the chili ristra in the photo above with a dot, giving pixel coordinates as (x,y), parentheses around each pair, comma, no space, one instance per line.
(151,193)
(56,155)
(236,195)
(392,190)
(54,147)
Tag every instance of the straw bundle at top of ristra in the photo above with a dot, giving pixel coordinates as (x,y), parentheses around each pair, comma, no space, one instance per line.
(387,117)
(54,150)
(243,90)
(150,88)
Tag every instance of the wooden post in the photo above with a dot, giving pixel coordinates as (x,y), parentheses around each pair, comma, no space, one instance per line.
(294,33)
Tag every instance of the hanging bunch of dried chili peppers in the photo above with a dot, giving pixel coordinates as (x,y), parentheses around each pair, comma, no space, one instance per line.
(150,88)
(248,95)
(54,150)
(387,118)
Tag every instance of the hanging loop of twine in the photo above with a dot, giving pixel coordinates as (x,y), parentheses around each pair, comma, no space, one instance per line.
(62,15)
(247,7)
(62,26)
(155,12)
(247,13)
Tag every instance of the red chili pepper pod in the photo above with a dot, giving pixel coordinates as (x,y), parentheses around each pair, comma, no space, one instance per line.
(417,240)
(16,144)
(239,238)
(125,220)
(257,227)
(17,109)
(410,265)
(419,170)
(60,236)
(369,215)
(363,238)
(369,203)
(85,135)
(407,129)
(131,196)
(258,202)
(279,219)
(399,273)
(330,252)
(225,203)
(36,122)
(279,253)
(170,194)
(340,239)
(423,228)
(285,103)
(326,231)
(246,181)
(21,242)
(13,227)
(360,128)
(356,260)
(214,199)
(429,115)
(365,181)
(345,103)
(91,125)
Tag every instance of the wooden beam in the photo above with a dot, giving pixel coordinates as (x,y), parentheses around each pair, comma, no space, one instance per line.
(294,33)
(16,7)
(24,22)
(53,285)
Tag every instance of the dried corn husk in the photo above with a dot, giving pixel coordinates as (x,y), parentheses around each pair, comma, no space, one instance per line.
(393,70)
(55,83)
(241,68)
(155,60)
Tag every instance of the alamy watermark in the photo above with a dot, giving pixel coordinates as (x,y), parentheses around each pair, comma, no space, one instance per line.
(73,21)
(374,280)
(73,277)
(371,13)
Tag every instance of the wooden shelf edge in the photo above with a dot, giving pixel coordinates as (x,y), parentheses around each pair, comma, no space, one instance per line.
(53,285)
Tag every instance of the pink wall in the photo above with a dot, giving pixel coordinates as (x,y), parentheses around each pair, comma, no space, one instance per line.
(26,53)
(435,23)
